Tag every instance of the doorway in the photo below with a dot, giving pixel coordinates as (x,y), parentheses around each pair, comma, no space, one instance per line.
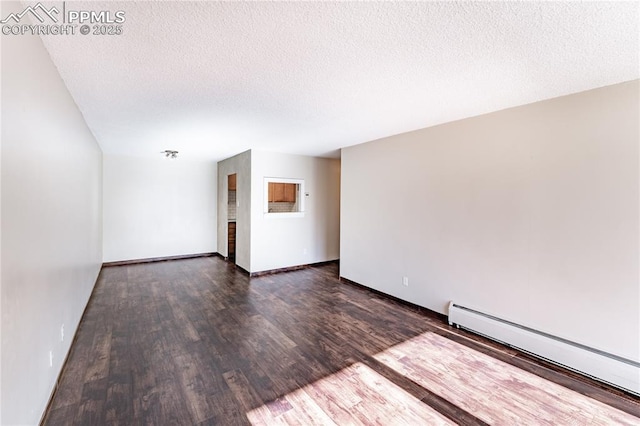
(231,217)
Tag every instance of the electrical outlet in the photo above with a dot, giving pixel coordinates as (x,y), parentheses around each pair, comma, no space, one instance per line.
(405,281)
(304,251)
(50,358)
(62,333)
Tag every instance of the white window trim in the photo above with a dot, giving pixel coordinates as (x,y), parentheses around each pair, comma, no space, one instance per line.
(301,197)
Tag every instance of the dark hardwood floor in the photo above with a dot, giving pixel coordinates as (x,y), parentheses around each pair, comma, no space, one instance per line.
(197,342)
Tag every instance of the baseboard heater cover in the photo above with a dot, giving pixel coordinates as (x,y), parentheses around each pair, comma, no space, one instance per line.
(612,369)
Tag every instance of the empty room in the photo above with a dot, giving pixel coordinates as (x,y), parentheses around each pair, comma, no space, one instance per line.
(319,212)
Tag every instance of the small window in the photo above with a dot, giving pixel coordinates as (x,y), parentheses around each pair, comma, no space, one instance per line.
(284,195)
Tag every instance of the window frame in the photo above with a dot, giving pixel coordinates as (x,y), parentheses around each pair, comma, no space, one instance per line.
(300,197)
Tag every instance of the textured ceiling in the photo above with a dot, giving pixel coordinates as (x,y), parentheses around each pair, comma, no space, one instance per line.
(212,79)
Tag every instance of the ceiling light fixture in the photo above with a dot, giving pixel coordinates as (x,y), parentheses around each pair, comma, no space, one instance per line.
(170,154)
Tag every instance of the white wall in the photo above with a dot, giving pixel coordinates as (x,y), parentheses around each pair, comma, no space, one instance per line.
(157,207)
(240,165)
(264,243)
(530,214)
(279,242)
(51,224)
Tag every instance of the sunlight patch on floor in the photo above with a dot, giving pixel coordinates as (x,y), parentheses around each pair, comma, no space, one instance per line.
(492,390)
(354,395)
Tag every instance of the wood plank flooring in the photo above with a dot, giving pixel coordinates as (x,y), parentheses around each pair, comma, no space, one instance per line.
(197,342)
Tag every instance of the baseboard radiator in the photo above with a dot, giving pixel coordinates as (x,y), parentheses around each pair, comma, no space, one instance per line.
(612,369)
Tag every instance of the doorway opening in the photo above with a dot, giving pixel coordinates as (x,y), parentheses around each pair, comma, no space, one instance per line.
(231,217)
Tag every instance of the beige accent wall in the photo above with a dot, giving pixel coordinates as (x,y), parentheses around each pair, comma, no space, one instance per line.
(530,214)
